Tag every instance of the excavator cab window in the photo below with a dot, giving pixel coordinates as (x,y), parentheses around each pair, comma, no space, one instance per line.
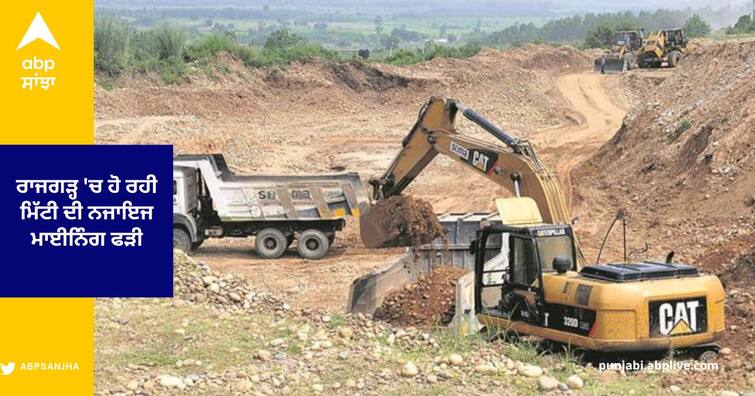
(524,262)
(551,247)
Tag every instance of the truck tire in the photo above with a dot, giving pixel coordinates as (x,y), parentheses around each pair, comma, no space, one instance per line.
(270,243)
(313,244)
(181,240)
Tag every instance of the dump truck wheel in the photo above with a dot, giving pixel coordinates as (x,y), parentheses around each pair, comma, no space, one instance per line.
(313,244)
(181,240)
(270,243)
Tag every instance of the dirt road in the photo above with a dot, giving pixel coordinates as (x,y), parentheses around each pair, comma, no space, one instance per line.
(594,118)
(597,117)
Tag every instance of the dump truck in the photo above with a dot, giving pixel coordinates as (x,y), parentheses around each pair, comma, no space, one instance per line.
(211,201)
(663,47)
(529,274)
(622,55)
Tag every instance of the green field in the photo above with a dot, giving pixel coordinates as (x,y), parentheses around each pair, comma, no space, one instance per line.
(341,30)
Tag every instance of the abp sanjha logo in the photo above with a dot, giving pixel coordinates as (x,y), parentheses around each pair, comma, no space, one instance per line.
(8,369)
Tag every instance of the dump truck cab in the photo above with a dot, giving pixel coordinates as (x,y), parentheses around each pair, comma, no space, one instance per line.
(534,287)
(186,204)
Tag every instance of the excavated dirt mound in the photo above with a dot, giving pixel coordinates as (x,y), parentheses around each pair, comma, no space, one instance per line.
(423,303)
(400,221)
(742,270)
(683,162)
(738,278)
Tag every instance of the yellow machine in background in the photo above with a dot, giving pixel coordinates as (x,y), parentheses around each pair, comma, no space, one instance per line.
(666,46)
(621,57)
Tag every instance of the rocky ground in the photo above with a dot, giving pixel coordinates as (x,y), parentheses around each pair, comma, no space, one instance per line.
(219,337)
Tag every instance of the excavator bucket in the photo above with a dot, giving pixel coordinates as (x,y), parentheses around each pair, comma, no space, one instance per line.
(372,231)
(610,65)
(399,221)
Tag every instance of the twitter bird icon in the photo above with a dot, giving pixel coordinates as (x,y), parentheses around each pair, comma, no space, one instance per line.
(7,369)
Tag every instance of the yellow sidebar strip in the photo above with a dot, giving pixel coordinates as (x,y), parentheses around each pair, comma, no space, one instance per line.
(46,77)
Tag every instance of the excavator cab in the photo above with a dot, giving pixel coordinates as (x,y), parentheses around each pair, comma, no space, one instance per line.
(512,286)
(533,287)
(631,38)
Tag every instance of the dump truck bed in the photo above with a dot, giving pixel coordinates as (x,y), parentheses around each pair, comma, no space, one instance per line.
(242,198)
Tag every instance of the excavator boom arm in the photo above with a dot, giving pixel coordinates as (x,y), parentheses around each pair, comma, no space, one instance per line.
(514,166)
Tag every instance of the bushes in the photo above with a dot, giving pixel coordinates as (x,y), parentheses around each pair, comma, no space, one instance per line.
(159,50)
(408,57)
(209,46)
(282,38)
(744,25)
(404,57)
(696,26)
(110,39)
(283,52)
(166,50)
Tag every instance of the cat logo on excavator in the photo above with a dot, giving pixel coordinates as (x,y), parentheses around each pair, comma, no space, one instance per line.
(680,317)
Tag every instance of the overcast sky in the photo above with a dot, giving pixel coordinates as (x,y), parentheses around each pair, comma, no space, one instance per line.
(495,8)
(504,6)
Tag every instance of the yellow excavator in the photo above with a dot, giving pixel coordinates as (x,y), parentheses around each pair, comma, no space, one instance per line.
(537,282)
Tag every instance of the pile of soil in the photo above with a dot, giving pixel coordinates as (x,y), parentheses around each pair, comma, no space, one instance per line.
(683,162)
(422,304)
(738,278)
(405,221)
(741,272)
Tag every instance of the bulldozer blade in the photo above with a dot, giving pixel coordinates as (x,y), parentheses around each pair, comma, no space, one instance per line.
(611,65)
